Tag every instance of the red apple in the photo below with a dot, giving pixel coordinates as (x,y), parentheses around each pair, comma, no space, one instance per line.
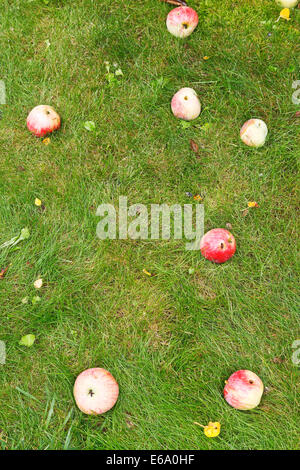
(182,21)
(185,104)
(243,390)
(43,120)
(218,245)
(254,132)
(95,391)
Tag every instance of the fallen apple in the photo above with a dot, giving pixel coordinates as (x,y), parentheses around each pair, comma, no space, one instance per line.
(182,21)
(185,104)
(254,132)
(287,3)
(243,390)
(43,120)
(95,391)
(218,245)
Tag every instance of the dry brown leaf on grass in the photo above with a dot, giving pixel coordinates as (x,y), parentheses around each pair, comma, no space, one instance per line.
(278,360)
(3,272)
(129,423)
(194,146)
(179,3)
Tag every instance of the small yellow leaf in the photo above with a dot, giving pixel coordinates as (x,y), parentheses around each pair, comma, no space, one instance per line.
(197,197)
(206,57)
(38,283)
(252,204)
(38,202)
(285,14)
(46,141)
(212,429)
(147,272)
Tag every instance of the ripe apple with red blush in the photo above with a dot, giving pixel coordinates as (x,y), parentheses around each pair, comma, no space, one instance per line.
(95,391)
(243,390)
(182,21)
(254,133)
(218,245)
(185,104)
(43,120)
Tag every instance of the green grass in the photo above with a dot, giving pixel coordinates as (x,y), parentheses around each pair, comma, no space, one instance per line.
(170,340)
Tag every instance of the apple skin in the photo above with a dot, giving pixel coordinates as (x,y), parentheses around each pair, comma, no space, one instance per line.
(185,104)
(182,21)
(43,120)
(95,391)
(243,390)
(218,245)
(287,3)
(254,133)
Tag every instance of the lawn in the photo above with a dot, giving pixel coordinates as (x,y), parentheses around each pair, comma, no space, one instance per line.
(170,340)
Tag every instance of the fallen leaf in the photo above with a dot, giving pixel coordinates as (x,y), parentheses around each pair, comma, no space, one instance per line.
(285,14)
(194,146)
(27,340)
(211,430)
(129,423)
(245,212)
(147,272)
(229,226)
(35,300)
(3,272)
(15,240)
(24,234)
(46,141)
(20,168)
(278,360)
(89,126)
(206,57)
(37,202)
(176,2)
(197,197)
(24,300)
(38,283)
(252,204)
